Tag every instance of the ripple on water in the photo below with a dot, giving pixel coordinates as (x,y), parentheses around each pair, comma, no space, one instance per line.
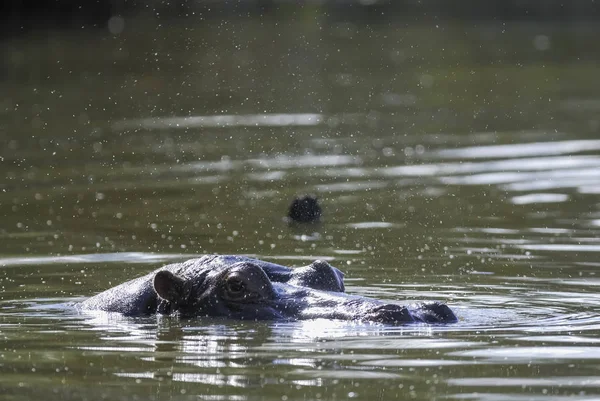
(577,180)
(483,396)
(221,120)
(352,186)
(299,161)
(129,257)
(374,224)
(498,166)
(571,381)
(560,247)
(560,339)
(521,149)
(416,362)
(524,354)
(344,374)
(539,198)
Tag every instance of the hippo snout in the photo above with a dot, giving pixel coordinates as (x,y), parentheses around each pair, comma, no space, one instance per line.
(390,314)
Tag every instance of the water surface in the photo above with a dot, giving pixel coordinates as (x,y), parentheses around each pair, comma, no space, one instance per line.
(456,162)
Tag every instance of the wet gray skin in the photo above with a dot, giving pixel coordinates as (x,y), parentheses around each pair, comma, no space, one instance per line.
(243,288)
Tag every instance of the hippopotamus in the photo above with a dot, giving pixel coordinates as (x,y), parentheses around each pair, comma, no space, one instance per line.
(305,210)
(243,288)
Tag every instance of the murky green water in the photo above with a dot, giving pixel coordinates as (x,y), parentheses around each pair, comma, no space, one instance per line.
(458,162)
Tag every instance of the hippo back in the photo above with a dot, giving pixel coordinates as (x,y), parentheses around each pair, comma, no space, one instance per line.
(275,272)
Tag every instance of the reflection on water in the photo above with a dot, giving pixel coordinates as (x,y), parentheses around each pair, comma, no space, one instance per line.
(217,356)
(453,162)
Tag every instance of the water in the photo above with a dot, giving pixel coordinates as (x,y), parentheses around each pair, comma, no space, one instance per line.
(456,162)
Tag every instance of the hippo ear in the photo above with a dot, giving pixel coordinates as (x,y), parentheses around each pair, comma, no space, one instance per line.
(169,286)
(340,278)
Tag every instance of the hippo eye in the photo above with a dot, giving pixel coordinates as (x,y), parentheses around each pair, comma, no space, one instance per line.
(235,286)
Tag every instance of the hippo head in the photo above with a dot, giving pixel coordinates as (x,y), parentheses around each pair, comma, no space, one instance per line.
(242,288)
(240,291)
(244,291)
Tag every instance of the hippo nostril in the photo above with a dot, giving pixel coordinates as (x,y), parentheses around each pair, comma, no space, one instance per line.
(390,313)
(434,312)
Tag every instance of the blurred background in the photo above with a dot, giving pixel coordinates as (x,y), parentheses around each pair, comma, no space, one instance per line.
(453,145)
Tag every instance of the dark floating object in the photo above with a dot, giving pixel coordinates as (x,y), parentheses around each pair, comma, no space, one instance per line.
(305,210)
(242,288)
